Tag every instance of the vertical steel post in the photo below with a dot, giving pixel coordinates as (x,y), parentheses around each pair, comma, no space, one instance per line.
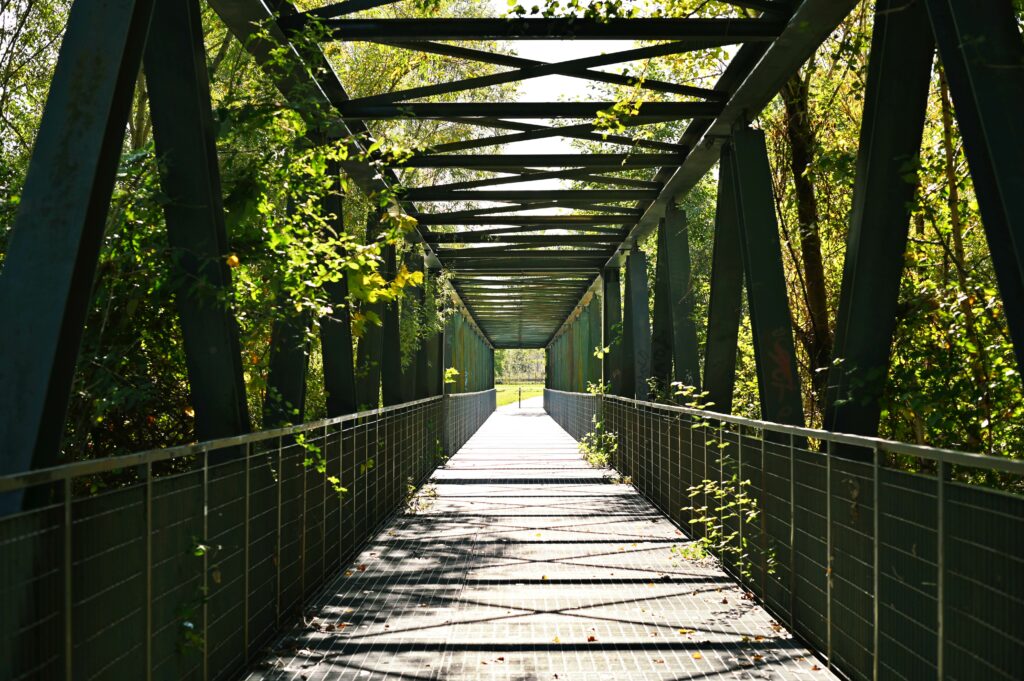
(185,138)
(636,352)
(206,564)
(828,553)
(982,52)
(685,355)
(777,378)
(149,571)
(661,333)
(611,371)
(792,533)
(245,552)
(726,295)
(391,344)
(336,328)
(876,470)
(895,100)
(940,577)
(277,549)
(69,606)
(54,246)
(368,353)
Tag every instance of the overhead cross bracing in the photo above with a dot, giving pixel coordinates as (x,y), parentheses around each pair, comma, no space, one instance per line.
(526,235)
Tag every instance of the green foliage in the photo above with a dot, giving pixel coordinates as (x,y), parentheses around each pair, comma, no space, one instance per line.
(599,445)
(726,517)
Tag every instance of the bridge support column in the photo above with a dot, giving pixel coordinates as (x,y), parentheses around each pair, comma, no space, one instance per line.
(611,372)
(981,50)
(285,402)
(179,97)
(368,353)
(336,330)
(680,297)
(636,332)
(777,378)
(726,294)
(899,74)
(391,352)
(661,322)
(52,253)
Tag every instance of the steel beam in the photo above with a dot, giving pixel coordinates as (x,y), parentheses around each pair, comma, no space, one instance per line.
(370,346)
(518,161)
(525,220)
(754,76)
(54,245)
(777,378)
(336,328)
(524,195)
(665,111)
(677,29)
(524,69)
(685,354)
(726,300)
(982,52)
(285,400)
(661,333)
(895,102)
(636,329)
(183,131)
(611,369)
(391,353)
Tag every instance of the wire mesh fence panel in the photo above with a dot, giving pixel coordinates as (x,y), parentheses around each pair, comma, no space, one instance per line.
(892,560)
(183,562)
(464,414)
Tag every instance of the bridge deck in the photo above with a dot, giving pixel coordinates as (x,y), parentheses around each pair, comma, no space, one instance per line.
(525,563)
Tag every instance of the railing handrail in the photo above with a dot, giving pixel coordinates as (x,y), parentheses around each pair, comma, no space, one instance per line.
(16,481)
(938,454)
(477,392)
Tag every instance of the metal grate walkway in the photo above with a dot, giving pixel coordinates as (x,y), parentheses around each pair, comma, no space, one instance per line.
(522,562)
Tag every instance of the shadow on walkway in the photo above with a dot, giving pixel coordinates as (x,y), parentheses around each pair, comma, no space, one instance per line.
(523,562)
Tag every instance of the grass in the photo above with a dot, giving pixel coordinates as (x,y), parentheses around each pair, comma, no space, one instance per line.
(508,393)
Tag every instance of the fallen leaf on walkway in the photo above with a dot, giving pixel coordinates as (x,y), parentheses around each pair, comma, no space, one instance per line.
(556,640)
(758,658)
(697,656)
(686,632)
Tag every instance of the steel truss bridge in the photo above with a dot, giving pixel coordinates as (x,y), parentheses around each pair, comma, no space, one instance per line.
(884,573)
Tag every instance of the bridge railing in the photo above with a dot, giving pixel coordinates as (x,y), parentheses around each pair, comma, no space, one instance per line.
(893,560)
(464,414)
(183,562)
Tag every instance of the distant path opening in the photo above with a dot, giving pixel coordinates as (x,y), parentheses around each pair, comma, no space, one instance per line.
(523,562)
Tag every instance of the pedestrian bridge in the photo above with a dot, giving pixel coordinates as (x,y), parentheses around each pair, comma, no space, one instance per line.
(514,558)
(416,532)
(519,560)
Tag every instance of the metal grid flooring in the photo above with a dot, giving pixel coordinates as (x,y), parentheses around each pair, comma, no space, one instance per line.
(522,562)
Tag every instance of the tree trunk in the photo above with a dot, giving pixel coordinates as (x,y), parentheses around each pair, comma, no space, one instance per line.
(817,338)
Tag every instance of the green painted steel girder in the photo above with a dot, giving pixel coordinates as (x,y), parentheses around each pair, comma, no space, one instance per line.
(895,100)
(404,30)
(724,307)
(770,319)
(524,195)
(665,111)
